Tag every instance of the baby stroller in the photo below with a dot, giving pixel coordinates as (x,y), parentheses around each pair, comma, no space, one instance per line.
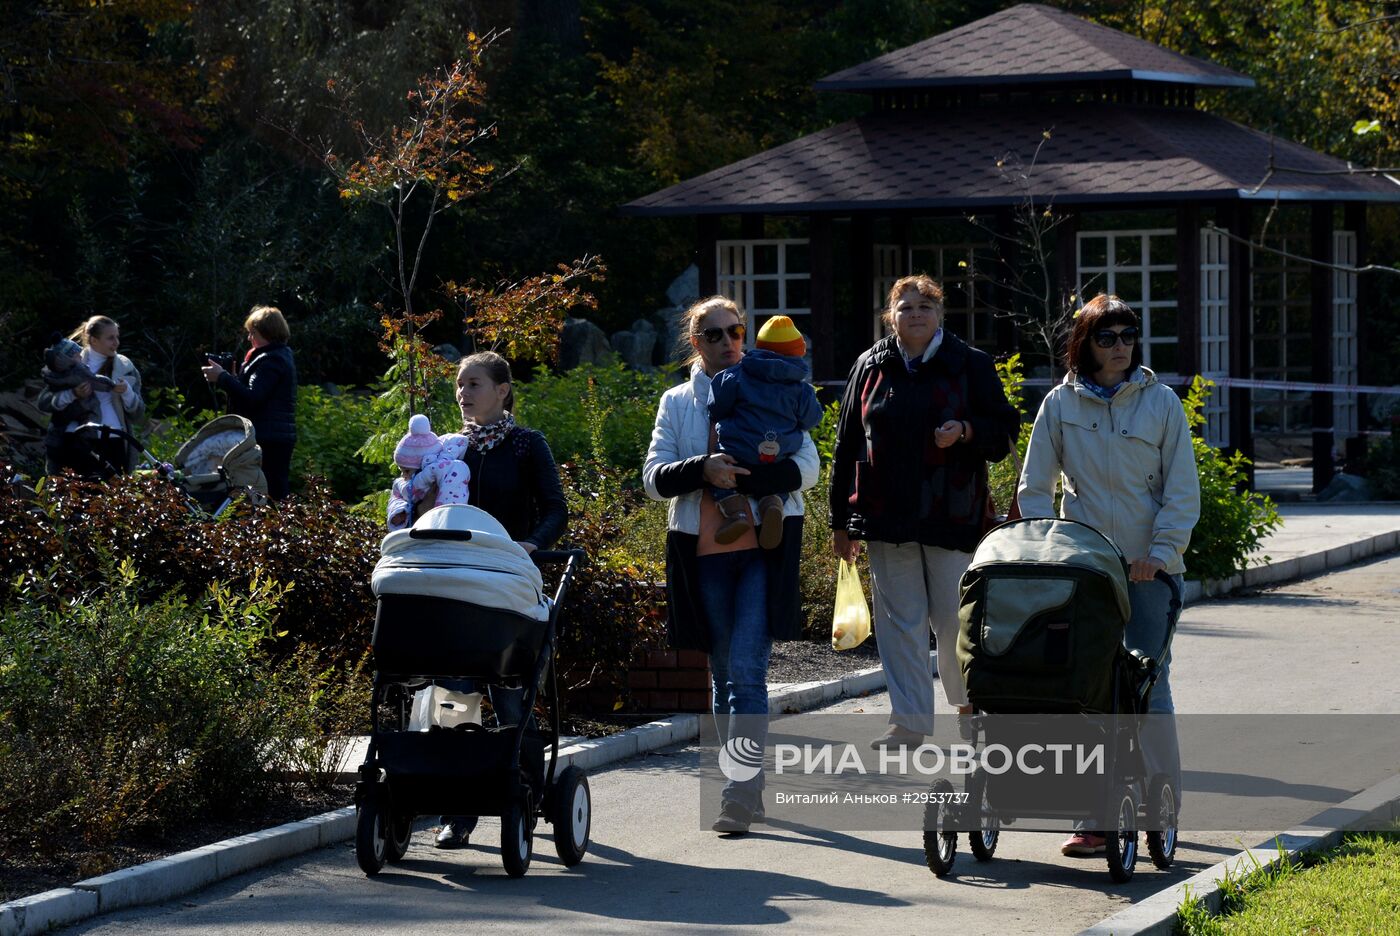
(458,599)
(1043,609)
(220,460)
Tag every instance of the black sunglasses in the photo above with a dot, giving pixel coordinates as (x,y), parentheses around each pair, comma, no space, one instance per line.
(1107,339)
(716,334)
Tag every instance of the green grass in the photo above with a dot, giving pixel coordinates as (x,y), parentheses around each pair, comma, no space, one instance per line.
(1352,889)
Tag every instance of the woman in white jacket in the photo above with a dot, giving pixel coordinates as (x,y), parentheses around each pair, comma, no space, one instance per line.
(118,408)
(731,600)
(1117,443)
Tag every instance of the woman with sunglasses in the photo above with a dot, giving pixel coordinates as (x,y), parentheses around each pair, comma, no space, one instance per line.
(1116,441)
(922,415)
(731,600)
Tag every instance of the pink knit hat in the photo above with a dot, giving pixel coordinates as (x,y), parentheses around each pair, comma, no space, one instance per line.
(420,443)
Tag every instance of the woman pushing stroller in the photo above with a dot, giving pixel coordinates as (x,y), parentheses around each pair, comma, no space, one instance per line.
(502,468)
(1117,441)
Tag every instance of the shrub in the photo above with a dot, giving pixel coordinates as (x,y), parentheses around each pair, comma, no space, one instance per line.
(616,606)
(55,546)
(126,716)
(626,400)
(1233,521)
(331,428)
(1383,466)
(1002,477)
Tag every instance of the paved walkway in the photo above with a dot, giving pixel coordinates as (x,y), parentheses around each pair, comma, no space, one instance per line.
(1246,654)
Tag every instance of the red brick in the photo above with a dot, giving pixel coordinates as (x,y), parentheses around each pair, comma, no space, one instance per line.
(693,702)
(683,679)
(642,679)
(661,659)
(639,659)
(661,701)
(692,659)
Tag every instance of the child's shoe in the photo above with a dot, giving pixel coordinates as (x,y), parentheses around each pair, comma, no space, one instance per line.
(770,512)
(734,510)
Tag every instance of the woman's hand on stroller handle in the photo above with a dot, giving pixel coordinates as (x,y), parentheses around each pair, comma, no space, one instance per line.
(1145,569)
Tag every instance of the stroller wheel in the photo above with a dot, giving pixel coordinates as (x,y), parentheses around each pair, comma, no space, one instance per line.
(987,827)
(1120,842)
(571,814)
(1161,822)
(517,838)
(940,844)
(371,845)
(400,832)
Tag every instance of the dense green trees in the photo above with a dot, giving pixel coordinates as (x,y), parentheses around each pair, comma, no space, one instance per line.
(159,160)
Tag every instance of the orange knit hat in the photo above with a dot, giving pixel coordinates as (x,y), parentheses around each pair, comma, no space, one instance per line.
(780,336)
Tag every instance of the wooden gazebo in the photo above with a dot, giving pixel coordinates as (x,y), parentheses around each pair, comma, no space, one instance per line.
(1158,201)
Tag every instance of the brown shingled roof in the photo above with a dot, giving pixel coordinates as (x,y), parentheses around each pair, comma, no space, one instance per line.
(1098,153)
(1029,44)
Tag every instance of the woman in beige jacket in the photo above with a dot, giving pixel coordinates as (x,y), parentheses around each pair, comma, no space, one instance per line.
(1117,442)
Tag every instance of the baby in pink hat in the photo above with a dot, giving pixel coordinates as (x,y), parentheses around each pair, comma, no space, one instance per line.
(427,463)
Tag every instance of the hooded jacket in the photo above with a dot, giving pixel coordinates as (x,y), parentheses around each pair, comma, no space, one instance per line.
(1126,465)
(765,397)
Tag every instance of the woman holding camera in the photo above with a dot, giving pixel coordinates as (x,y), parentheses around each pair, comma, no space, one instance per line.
(265,391)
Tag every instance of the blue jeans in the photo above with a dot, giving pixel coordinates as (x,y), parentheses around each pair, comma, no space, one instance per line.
(734,596)
(1146,630)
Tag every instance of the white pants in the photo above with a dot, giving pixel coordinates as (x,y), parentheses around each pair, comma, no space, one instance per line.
(916,587)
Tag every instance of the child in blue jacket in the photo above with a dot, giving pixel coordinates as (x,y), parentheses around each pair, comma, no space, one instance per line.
(761,408)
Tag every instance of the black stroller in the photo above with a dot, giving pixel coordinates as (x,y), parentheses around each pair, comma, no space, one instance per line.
(1043,609)
(455,602)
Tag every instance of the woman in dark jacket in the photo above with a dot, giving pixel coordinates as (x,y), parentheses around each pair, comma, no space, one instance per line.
(515,480)
(922,415)
(733,600)
(265,391)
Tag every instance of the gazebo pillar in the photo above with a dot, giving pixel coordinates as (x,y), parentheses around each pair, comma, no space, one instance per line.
(1323,441)
(1236,217)
(1354,219)
(823,298)
(1188,288)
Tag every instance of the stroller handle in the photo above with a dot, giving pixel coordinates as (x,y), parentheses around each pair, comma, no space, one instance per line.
(554,556)
(456,536)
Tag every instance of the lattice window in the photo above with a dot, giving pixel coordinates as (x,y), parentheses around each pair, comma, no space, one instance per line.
(1280,295)
(1215,331)
(1344,338)
(955,267)
(766,278)
(1140,268)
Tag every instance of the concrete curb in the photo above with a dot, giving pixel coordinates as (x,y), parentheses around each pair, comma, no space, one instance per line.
(1156,915)
(1286,570)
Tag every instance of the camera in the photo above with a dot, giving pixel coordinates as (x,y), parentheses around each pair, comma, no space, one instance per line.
(222,358)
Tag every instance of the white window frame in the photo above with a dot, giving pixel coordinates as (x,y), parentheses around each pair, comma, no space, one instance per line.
(1344,334)
(1104,279)
(734,279)
(1215,331)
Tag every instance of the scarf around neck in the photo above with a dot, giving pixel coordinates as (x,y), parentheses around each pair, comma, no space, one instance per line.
(485,438)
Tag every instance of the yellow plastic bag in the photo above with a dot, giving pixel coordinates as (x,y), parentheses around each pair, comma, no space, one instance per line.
(850,624)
